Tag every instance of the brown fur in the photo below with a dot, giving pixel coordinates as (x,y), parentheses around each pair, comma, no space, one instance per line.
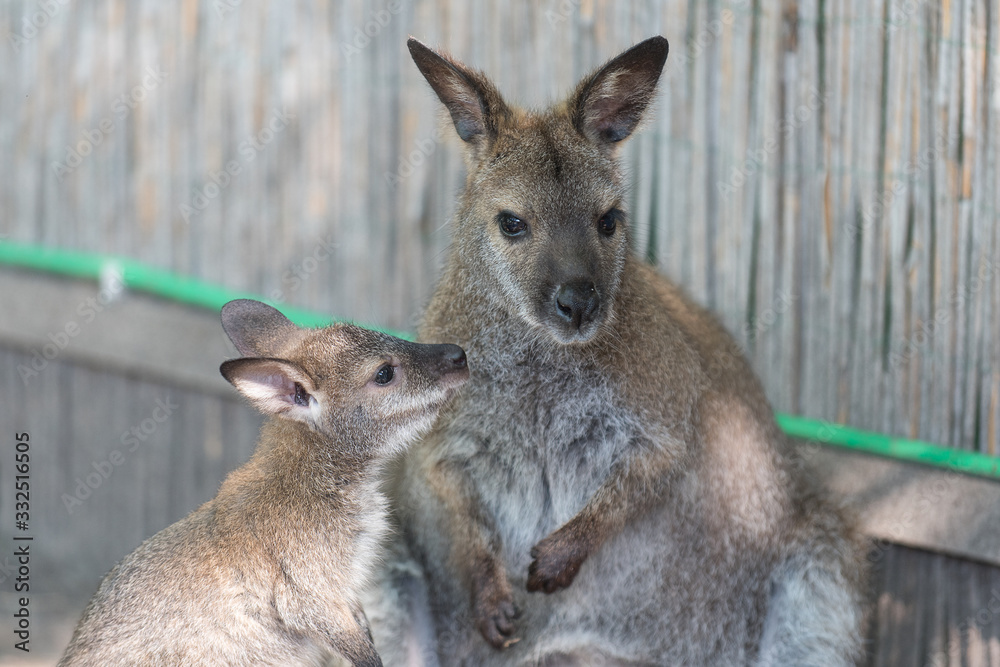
(270,570)
(614,449)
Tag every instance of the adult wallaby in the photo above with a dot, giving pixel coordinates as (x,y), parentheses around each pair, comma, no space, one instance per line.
(611,486)
(269,571)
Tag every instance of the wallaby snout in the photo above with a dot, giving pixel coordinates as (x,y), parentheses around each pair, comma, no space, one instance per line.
(449,362)
(577,303)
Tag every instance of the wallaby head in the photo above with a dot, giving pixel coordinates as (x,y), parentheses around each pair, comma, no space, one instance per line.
(542,219)
(349,383)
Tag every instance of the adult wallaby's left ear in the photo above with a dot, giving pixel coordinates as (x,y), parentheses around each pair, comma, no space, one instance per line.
(608,104)
(274,387)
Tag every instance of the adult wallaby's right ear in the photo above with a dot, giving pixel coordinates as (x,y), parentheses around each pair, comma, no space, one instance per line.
(257,329)
(274,387)
(476,107)
(608,105)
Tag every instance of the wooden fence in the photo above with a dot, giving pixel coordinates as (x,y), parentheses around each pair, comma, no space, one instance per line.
(130,427)
(825,174)
(822,173)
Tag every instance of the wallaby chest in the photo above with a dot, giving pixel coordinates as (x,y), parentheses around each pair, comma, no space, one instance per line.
(538,435)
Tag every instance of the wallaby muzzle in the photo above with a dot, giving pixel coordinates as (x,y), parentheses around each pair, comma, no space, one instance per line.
(577,303)
(573,287)
(446,361)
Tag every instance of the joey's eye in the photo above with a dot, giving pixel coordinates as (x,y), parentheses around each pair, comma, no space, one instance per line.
(608,222)
(385,374)
(510,224)
(301,395)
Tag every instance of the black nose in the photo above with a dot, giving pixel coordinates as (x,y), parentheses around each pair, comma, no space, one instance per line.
(454,356)
(577,302)
(445,357)
(450,364)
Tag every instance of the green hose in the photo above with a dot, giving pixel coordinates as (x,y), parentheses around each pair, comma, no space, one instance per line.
(137,276)
(140,277)
(918,451)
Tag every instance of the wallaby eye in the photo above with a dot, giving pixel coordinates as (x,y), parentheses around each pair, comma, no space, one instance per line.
(608,222)
(301,395)
(385,375)
(510,224)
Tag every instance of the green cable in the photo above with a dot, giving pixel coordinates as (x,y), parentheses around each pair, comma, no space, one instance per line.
(917,451)
(138,276)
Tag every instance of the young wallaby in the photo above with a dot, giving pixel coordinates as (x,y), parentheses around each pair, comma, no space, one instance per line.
(269,571)
(611,487)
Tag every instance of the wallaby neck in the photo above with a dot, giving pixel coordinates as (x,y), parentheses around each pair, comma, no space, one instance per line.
(321,460)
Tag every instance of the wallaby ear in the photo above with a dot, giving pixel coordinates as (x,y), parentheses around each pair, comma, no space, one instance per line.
(608,104)
(274,387)
(476,107)
(257,329)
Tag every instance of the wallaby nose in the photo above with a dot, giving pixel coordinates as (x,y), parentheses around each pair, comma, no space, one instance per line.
(454,356)
(450,363)
(577,302)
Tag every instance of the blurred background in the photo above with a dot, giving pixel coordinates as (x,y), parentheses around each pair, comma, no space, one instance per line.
(823,174)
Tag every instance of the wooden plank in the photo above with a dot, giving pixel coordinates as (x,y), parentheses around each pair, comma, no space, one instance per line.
(912,504)
(933,610)
(136,335)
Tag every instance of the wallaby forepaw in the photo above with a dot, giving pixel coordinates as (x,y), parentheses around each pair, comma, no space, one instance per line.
(495,615)
(555,563)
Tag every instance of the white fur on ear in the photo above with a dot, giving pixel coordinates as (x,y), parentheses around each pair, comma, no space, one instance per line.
(274,387)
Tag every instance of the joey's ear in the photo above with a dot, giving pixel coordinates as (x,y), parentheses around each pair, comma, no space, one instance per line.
(257,329)
(476,107)
(608,104)
(274,387)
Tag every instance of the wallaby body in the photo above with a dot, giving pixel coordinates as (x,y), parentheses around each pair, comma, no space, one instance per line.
(270,571)
(611,487)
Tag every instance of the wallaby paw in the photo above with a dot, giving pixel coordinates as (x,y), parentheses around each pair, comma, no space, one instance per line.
(556,560)
(495,614)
